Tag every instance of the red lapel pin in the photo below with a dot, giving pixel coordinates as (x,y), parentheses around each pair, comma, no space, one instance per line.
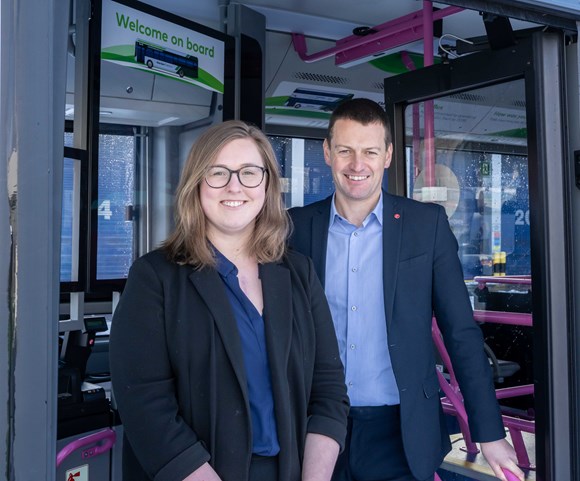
(397,216)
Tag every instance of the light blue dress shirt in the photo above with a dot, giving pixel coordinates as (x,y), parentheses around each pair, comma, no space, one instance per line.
(354,289)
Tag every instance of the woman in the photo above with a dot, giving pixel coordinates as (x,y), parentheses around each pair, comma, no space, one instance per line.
(223,354)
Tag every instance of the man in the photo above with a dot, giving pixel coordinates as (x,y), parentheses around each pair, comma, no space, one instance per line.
(388,263)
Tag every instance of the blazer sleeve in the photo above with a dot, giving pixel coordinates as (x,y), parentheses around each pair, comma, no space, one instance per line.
(463,338)
(328,404)
(143,381)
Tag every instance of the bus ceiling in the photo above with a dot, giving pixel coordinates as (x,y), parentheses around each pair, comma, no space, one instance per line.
(367,43)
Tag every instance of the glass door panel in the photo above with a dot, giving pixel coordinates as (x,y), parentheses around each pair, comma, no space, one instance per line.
(468,152)
(475,165)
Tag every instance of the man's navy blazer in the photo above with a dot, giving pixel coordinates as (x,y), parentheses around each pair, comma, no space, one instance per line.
(422,277)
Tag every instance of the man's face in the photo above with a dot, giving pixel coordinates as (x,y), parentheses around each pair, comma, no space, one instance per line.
(358,157)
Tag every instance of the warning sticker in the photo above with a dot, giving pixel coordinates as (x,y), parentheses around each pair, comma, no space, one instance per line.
(80,473)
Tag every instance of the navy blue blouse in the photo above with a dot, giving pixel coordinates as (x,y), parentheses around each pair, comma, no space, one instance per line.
(251,328)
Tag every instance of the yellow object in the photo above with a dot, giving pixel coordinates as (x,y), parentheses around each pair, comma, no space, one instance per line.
(496,264)
(502,263)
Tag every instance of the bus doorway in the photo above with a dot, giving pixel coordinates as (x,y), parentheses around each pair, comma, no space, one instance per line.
(483,136)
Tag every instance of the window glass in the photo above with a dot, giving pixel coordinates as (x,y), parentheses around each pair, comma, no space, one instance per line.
(306,177)
(474,163)
(485,196)
(467,152)
(115,244)
(69,224)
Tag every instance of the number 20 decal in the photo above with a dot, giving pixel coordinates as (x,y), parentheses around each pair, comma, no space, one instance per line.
(522,217)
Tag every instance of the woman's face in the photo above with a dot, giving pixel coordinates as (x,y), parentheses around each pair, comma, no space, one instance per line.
(231,210)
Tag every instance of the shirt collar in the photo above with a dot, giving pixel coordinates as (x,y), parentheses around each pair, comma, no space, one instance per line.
(224,266)
(377,212)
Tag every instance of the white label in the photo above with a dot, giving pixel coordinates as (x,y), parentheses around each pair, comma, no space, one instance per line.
(434,194)
(80,473)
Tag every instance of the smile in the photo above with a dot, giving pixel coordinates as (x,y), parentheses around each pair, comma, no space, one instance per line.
(232,203)
(357,177)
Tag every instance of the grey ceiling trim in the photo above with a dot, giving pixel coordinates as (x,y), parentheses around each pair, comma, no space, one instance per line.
(549,15)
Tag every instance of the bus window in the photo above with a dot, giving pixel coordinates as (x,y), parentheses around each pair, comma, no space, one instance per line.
(115,242)
(69,222)
(473,161)
(478,171)
(306,177)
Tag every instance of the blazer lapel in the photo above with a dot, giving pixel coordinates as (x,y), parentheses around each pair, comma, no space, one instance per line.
(319,238)
(211,289)
(277,291)
(393,219)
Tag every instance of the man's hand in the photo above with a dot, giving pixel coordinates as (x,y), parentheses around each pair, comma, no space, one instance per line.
(500,454)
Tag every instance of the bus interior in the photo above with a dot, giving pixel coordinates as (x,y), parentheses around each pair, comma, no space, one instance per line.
(483,97)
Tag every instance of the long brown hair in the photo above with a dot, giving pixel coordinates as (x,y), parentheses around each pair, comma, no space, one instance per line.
(188,243)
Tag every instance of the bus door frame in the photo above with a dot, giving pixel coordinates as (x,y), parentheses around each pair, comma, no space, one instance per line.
(540,61)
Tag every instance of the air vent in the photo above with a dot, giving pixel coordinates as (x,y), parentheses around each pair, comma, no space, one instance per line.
(378,85)
(313,77)
(519,103)
(319,124)
(468,97)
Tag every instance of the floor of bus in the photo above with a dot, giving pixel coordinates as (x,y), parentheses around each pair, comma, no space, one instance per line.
(462,466)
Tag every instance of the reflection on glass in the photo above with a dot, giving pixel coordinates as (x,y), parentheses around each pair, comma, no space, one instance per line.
(68,139)
(116,188)
(305,176)
(475,165)
(478,172)
(69,223)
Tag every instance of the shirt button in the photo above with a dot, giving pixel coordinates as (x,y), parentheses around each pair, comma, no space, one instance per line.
(354,269)
(350,383)
(356,234)
(352,346)
(353,308)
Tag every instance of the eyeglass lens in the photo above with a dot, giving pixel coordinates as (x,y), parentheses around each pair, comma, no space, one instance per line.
(251,176)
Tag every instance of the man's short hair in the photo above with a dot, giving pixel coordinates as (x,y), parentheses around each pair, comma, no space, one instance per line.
(362,110)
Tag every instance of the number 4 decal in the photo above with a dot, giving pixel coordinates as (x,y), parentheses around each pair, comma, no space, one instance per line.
(104,209)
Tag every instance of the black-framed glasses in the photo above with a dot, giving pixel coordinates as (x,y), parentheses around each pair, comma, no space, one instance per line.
(250,176)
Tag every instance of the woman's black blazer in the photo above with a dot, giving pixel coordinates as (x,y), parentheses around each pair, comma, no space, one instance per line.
(178,374)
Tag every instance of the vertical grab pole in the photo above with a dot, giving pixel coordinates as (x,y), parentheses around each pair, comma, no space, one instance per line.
(408,62)
(429,116)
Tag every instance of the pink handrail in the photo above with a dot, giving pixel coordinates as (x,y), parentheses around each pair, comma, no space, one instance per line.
(428,105)
(514,391)
(452,403)
(501,317)
(509,475)
(388,35)
(482,281)
(107,436)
